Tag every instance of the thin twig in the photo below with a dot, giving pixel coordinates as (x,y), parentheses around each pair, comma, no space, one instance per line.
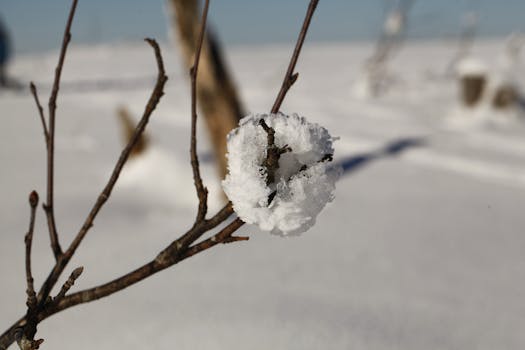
(290,77)
(202,192)
(24,335)
(174,250)
(69,283)
(152,267)
(233,239)
(215,239)
(143,272)
(34,92)
(153,101)
(165,259)
(49,206)
(31,295)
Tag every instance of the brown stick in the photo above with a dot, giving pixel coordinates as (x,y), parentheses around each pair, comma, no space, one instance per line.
(202,192)
(24,336)
(153,101)
(69,283)
(31,295)
(34,92)
(169,256)
(143,272)
(49,206)
(220,237)
(290,77)
(175,252)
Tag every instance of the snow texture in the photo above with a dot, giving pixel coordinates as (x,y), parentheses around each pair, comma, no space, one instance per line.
(471,66)
(304,182)
(423,249)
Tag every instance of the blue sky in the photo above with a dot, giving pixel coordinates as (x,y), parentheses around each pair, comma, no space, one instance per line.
(38,25)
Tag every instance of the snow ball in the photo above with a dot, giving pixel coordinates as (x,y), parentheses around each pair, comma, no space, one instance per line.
(304,181)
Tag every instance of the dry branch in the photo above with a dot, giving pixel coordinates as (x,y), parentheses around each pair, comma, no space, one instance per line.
(69,283)
(202,192)
(31,295)
(185,246)
(49,206)
(290,77)
(34,92)
(153,101)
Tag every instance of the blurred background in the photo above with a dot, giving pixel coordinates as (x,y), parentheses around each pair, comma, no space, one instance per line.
(253,22)
(422,247)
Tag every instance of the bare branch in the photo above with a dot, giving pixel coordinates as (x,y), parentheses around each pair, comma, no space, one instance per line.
(148,269)
(145,271)
(215,239)
(290,77)
(233,239)
(178,250)
(219,218)
(175,248)
(202,192)
(31,295)
(24,335)
(49,206)
(69,283)
(153,101)
(34,92)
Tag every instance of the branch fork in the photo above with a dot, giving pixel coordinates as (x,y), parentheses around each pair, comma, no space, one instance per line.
(41,306)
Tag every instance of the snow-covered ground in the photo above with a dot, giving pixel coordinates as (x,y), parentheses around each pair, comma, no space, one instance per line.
(421,249)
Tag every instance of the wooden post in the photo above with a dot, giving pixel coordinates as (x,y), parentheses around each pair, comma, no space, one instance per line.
(216,94)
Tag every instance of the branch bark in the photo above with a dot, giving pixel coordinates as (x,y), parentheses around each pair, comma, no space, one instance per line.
(34,92)
(153,101)
(178,250)
(49,206)
(290,77)
(202,192)
(31,295)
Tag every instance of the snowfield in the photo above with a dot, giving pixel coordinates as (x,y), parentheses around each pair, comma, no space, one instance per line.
(422,247)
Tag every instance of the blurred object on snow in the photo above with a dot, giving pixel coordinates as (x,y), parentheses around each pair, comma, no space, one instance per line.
(505,96)
(127,127)
(473,79)
(217,95)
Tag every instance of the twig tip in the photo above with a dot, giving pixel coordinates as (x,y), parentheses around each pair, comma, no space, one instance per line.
(33,199)
(77,272)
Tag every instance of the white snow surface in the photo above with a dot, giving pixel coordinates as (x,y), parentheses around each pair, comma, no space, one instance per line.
(422,248)
(471,66)
(300,194)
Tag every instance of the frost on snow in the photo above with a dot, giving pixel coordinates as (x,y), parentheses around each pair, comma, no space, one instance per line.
(304,181)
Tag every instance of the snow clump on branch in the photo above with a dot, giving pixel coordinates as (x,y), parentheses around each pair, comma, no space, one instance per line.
(279,182)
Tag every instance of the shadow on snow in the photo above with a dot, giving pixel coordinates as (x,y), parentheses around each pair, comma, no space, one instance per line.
(392,149)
